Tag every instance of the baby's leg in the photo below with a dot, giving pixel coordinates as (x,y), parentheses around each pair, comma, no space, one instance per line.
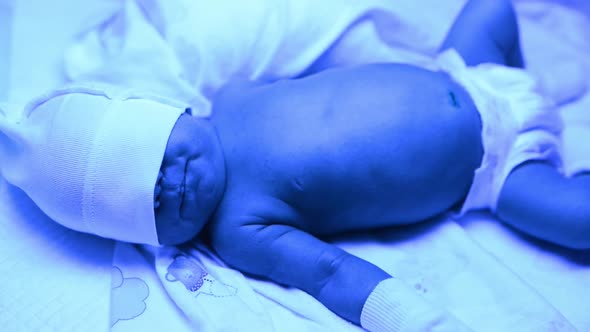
(486,31)
(540,201)
(536,197)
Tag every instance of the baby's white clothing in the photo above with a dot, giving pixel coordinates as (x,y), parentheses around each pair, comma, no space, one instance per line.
(518,124)
(188,49)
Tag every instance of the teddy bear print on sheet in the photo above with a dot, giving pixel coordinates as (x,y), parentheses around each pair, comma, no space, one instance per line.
(196,279)
(207,292)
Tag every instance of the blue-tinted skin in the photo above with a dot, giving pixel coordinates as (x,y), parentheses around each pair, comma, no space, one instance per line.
(342,150)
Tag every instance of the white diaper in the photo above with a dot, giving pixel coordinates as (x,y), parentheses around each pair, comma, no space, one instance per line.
(518,124)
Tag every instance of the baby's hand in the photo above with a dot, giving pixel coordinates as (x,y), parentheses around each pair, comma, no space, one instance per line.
(191,180)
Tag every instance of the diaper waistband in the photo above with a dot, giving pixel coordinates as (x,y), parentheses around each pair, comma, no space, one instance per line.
(518,124)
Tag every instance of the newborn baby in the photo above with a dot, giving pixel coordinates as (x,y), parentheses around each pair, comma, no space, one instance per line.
(278,166)
(343,150)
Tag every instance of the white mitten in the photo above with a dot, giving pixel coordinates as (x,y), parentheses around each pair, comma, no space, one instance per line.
(393,306)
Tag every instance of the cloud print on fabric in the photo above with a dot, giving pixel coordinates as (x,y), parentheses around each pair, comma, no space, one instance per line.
(128,296)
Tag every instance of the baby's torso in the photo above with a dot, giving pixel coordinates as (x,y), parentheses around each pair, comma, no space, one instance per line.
(347,149)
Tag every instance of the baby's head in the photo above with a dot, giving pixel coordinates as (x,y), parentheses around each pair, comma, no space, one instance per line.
(191,180)
(137,169)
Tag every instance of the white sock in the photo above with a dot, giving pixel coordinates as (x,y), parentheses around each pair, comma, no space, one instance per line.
(394,306)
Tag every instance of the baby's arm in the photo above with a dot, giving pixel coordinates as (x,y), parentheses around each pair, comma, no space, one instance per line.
(349,286)
(289,256)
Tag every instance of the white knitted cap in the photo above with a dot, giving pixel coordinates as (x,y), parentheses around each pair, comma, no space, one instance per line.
(90,161)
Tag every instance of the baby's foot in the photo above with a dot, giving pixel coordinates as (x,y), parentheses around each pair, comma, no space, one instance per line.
(191,180)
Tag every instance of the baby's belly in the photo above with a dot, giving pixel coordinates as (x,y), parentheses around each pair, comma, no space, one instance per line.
(380,204)
(354,149)
(393,194)
(404,159)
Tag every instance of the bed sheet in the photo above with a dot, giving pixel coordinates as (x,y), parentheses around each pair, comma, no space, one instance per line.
(5,32)
(487,274)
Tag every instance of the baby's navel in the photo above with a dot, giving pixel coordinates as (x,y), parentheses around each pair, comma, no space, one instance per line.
(298,184)
(453,100)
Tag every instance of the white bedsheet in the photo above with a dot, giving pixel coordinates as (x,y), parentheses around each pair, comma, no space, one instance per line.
(5,30)
(491,277)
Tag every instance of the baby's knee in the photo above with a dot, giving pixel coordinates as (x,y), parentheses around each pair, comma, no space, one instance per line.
(502,26)
(495,13)
(487,31)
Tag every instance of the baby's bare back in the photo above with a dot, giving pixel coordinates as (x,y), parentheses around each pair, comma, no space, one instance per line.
(348,149)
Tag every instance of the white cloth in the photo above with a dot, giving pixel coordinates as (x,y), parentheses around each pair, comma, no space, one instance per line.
(518,124)
(53,279)
(195,47)
(89,158)
(576,148)
(5,39)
